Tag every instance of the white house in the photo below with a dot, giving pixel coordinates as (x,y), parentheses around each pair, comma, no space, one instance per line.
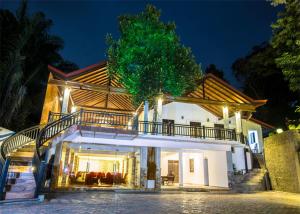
(95,137)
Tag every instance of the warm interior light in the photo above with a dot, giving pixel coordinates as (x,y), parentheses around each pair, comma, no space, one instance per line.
(60,98)
(279,131)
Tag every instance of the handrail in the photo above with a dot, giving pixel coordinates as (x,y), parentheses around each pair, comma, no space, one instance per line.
(54,128)
(187,130)
(19,139)
(82,117)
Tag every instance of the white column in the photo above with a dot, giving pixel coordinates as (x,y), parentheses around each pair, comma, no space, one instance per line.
(146,119)
(65,101)
(225,117)
(159,109)
(143,164)
(180,169)
(238,122)
(158,169)
(205,171)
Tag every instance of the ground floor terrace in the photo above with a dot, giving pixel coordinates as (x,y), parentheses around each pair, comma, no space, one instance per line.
(106,162)
(171,202)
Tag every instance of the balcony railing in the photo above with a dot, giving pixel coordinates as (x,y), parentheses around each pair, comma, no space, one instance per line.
(187,130)
(124,121)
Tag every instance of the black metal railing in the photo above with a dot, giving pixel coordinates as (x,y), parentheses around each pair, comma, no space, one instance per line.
(187,130)
(19,140)
(106,118)
(53,116)
(58,122)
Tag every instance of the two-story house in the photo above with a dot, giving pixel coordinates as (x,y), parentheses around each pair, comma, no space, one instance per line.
(93,136)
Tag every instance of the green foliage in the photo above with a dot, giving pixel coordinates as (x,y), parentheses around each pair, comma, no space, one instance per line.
(262,79)
(27,48)
(286,40)
(149,59)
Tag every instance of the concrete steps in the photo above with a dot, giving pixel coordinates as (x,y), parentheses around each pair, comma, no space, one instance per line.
(250,182)
(20,181)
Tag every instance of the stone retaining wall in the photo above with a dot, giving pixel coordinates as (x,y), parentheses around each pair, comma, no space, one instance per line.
(282,156)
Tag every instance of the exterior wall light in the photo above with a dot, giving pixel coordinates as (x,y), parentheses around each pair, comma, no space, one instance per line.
(73,109)
(225,110)
(279,131)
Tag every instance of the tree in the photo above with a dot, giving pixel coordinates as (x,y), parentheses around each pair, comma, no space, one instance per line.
(149,59)
(286,41)
(215,71)
(262,79)
(27,48)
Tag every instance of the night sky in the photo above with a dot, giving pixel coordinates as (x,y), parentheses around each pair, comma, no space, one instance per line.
(218,32)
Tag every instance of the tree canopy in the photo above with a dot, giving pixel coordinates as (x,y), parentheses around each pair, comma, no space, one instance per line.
(262,79)
(27,48)
(286,41)
(149,58)
(212,69)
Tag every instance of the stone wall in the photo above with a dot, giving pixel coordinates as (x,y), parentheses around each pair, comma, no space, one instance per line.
(282,153)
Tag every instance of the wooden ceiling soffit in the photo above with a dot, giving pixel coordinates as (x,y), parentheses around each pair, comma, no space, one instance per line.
(105,109)
(227,88)
(90,87)
(239,106)
(220,94)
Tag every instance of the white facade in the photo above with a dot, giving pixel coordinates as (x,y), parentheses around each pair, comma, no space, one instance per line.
(200,162)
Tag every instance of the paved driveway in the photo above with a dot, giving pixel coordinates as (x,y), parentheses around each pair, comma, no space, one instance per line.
(97,202)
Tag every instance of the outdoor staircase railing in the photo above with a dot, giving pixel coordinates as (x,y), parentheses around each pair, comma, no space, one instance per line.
(19,140)
(11,144)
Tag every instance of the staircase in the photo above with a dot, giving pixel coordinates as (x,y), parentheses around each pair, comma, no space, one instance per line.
(20,179)
(250,182)
(22,164)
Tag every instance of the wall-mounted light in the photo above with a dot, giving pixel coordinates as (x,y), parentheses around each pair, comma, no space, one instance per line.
(73,109)
(279,131)
(159,101)
(238,114)
(225,110)
(60,98)
(129,123)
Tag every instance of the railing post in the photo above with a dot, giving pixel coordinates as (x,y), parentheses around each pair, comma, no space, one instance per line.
(40,178)
(49,116)
(203,129)
(136,123)
(3,178)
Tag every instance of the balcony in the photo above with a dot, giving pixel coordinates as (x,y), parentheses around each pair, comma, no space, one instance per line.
(101,121)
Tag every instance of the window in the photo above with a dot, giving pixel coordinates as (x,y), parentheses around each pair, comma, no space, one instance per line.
(253,140)
(192,165)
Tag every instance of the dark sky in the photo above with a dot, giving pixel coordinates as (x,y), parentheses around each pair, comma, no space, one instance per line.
(218,32)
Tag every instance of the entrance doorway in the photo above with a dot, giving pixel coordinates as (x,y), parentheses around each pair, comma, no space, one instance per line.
(173,169)
(219,134)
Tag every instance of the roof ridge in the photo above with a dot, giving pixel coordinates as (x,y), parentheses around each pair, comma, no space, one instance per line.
(75,72)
